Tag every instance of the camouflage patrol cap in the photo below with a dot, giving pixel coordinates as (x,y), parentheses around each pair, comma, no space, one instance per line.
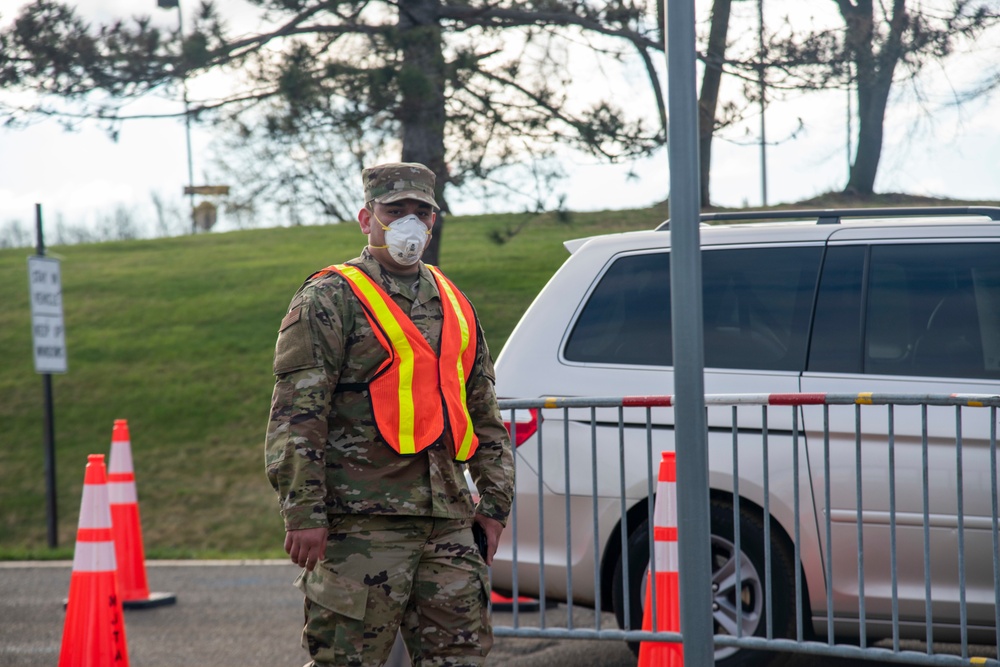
(386,183)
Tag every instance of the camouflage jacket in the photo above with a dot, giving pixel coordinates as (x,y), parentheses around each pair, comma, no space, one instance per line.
(323,454)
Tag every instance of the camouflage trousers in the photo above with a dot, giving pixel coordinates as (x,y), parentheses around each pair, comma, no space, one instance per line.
(422,576)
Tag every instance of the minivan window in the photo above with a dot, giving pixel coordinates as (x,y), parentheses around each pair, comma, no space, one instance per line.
(626,320)
(836,340)
(934,310)
(756,304)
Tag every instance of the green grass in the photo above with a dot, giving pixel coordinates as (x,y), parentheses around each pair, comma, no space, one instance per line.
(176,336)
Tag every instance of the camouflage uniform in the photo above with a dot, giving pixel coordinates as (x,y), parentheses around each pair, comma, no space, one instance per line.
(400,552)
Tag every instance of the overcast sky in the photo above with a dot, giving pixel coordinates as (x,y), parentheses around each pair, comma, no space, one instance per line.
(930,149)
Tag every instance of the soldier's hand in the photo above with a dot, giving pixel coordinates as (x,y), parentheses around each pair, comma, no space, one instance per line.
(492,528)
(307,546)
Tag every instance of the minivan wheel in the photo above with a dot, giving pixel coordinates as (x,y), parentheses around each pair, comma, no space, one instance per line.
(726,597)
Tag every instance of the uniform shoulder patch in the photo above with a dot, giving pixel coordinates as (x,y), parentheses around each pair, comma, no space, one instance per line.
(294,349)
(293,316)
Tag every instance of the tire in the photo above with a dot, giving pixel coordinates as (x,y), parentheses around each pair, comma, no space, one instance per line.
(724,600)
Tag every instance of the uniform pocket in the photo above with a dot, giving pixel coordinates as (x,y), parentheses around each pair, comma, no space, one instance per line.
(339,594)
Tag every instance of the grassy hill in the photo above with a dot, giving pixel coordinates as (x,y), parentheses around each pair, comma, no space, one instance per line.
(176,336)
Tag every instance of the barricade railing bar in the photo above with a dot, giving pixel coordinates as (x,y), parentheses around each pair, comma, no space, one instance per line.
(905,486)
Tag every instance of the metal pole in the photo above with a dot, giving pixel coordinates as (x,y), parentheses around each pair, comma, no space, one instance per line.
(49,426)
(686,309)
(763,102)
(187,124)
(849,130)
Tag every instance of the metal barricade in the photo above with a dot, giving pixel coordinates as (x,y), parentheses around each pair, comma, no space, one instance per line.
(846,525)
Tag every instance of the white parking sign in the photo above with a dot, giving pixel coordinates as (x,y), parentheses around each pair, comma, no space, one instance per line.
(48,332)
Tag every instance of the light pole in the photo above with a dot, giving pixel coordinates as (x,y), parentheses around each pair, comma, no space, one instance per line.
(763,102)
(170,4)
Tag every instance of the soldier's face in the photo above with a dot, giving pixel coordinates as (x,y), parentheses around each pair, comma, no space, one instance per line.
(386,213)
(375,219)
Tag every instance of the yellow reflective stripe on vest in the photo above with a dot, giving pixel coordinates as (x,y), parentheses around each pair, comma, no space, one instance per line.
(402,347)
(461,448)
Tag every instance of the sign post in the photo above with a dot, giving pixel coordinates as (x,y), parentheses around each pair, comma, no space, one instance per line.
(49,342)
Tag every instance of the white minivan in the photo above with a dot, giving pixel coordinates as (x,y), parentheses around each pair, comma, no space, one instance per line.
(897,301)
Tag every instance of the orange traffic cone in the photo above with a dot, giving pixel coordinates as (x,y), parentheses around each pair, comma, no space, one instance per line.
(503,603)
(665,559)
(124,500)
(94,630)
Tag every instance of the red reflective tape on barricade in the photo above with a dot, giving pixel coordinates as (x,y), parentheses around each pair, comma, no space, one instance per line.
(665,533)
(121,477)
(647,401)
(796,399)
(94,535)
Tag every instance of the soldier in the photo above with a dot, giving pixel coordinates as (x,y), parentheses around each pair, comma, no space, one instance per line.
(383,395)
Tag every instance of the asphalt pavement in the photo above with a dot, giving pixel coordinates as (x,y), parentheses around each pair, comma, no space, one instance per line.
(227,614)
(248,614)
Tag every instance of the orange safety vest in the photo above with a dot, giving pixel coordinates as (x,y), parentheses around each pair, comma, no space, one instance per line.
(408,389)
